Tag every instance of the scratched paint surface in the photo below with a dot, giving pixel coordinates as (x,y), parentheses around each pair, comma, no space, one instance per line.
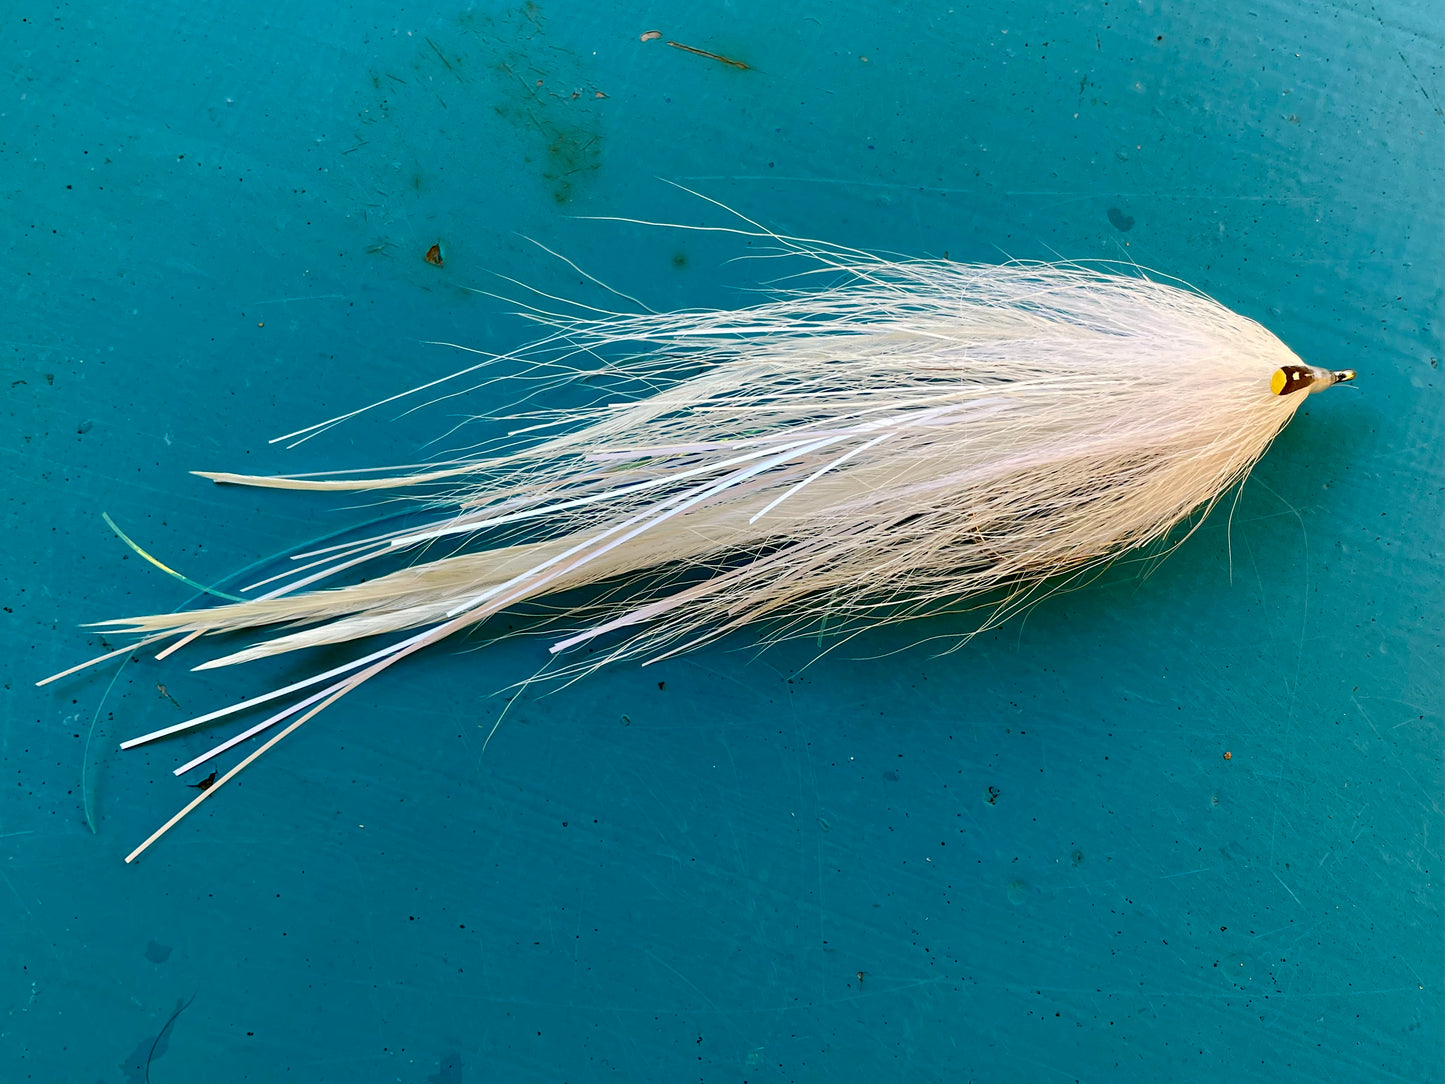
(1029,859)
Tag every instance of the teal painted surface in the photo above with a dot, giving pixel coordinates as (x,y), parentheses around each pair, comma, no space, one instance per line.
(1032,849)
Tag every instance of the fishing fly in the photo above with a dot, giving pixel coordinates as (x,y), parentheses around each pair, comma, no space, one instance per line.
(884,438)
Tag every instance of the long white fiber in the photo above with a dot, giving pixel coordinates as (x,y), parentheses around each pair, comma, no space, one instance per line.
(908,436)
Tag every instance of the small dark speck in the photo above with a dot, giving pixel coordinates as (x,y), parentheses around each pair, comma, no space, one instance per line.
(992,796)
(84,427)
(449,1070)
(158,953)
(1120,221)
